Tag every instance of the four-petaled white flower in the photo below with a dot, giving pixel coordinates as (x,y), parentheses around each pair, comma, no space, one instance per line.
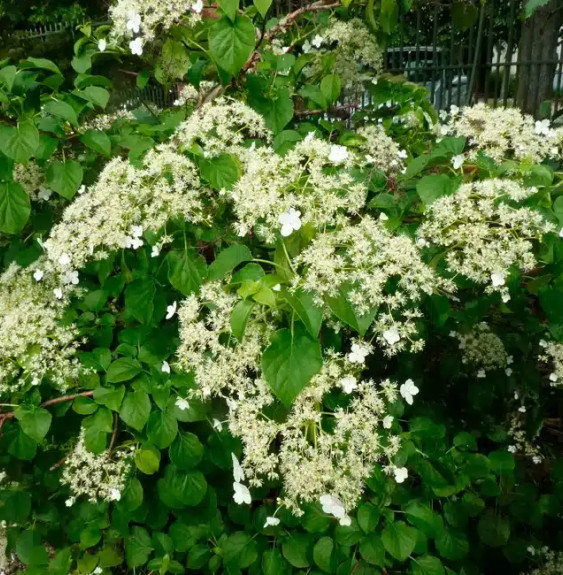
(182,404)
(134,243)
(481,374)
(44,194)
(511,449)
(114,494)
(333,506)
(522,409)
(400,473)
(348,384)
(38,275)
(505,297)
(358,353)
(402,154)
(536,459)
(290,222)
(457,161)
(165,367)
(197,6)
(136,46)
(388,421)
(134,22)
(98,570)
(408,390)
(317,41)
(71,277)
(542,128)
(454,110)
(498,279)
(391,335)
(241,494)
(271,522)
(306,47)
(238,472)
(64,260)
(171,310)
(155,252)
(70,501)
(102,45)
(58,293)
(338,154)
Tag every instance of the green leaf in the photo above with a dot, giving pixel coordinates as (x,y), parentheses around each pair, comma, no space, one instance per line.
(186,271)
(323,554)
(290,361)
(262,6)
(368,517)
(19,143)
(186,451)
(8,76)
(175,60)
(228,260)
(147,460)
(178,488)
(136,409)
(109,396)
(97,141)
(532,5)
(232,42)
(303,304)
(239,317)
(64,177)
(138,547)
(344,311)
(296,550)
(273,563)
(35,422)
(274,103)
(162,428)
(452,544)
(493,529)
(96,95)
(424,518)
(96,429)
(502,462)
(139,299)
(464,15)
(239,550)
(427,565)
(372,550)
(230,7)
(41,64)
(331,87)
(430,188)
(389,15)
(61,110)
(15,208)
(123,369)
(221,171)
(399,539)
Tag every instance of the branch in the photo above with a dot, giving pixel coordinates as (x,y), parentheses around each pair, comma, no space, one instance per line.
(11,414)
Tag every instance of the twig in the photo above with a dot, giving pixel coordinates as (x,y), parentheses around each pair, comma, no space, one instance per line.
(114,434)
(341,108)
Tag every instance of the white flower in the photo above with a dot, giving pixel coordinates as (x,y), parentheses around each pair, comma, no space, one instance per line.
(98,570)
(114,494)
(400,473)
(348,384)
(58,293)
(136,46)
(290,221)
(271,522)
(171,310)
(70,501)
(81,189)
(498,279)
(38,275)
(509,360)
(388,421)
(137,231)
(359,353)
(408,390)
(182,404)
(454,110)
(238,472)
(511,449)
(71,277)
(505,297)
(317,41)
(402,154)
(102,45)
(64,260)
(44,194)
(421,242)
(370,159)
(345,521)
(541,128)
(241,494)
(457,161)
(522,409)
(306,47)
(155,252)
(508,371)
(197,6)
(543,343)
(536,459)
(561,233)
(481,374)
(134,22)
(165,367)
(277,287)
(35,381)
(391,335)
(217,425)
(338,154)
(333,506)
(134,243)
(531,550)
(383,216)
(553,377)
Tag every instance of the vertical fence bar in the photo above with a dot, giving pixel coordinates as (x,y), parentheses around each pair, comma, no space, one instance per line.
(434,53)
(509,50)
(476,56)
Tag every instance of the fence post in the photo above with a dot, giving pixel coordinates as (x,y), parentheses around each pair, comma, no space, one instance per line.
(469,95)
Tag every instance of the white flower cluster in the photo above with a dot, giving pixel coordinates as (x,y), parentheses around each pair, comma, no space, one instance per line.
(104,122)
(482,349)
(519,439)
(98,477)
(553,355)
(364,258)
(381,150)
(310,460)
(304,180)
(501,133)
(142,18)
(32,179)
(34,343)
(485,231)
(551,562)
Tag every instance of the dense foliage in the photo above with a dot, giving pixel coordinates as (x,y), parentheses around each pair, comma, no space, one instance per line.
(296,323)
